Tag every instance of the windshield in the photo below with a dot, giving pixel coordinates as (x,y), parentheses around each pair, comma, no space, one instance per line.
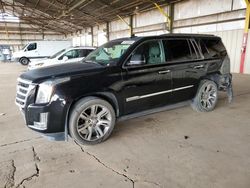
(25,46)
(56,54)
(110,52)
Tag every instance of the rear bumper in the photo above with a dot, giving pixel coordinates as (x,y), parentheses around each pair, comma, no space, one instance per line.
(225,84)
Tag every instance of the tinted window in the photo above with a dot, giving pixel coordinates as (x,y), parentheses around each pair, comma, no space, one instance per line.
(31,46)
(214,47)
(203,48)
(71,54)
(150,51)
(194,50)
(84,52)
(177,50)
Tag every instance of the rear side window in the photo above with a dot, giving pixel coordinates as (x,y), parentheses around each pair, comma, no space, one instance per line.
(178,50)
(84,52)
(212,48)
(203,48)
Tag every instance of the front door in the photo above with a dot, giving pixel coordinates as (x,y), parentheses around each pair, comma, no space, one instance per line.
(146,85)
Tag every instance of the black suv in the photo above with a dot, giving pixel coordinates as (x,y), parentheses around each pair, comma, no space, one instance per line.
(124,78)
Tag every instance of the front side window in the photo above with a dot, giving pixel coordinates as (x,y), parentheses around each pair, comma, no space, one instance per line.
(31,46)
(149,52)
(72,54)
(109,53)
(177,50)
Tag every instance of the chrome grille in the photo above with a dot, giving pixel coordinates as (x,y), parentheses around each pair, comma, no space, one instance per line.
(23,89)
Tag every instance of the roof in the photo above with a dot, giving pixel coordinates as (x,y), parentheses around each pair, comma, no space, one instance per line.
(180,35)
(68,16)
(82,47)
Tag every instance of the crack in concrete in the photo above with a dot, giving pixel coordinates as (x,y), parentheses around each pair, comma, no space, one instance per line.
(11,180)
(106,166)
(36,159)
(35,156)
(17,142)
(150,182)
(14,171)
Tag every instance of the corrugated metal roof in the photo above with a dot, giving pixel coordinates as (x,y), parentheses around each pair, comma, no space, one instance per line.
(67,16)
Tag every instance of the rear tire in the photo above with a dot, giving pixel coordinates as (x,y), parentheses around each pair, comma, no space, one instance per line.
(91,121)
(24,61)
(206,97)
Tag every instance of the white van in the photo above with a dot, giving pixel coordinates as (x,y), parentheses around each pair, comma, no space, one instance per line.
(69,55)
(39,50)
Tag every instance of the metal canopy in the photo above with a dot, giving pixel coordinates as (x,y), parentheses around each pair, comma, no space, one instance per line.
(68,16)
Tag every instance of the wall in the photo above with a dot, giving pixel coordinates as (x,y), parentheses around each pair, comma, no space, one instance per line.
(224,18)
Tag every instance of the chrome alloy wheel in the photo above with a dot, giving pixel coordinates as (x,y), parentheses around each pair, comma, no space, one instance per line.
(209,97)
(94,122)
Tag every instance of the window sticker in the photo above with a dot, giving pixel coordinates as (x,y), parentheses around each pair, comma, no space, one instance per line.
(128,42)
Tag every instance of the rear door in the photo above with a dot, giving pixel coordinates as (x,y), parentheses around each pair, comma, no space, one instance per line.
(187,67)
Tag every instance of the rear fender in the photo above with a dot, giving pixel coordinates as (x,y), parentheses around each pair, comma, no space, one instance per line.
(224,83)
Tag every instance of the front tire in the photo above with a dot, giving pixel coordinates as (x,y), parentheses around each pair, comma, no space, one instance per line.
(24,61)
(91,121)
(206,97)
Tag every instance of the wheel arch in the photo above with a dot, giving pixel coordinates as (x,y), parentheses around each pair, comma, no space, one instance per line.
(24,57)
(107,96)
(215,77)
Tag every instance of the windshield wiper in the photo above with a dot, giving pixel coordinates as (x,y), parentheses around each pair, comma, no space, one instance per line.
(91,61)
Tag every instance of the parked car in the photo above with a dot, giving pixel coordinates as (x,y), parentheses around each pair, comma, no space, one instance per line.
(68,55)
(122,79)
(39,50)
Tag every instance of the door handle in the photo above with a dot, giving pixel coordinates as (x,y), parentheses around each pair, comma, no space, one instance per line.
(164,71)
(198,66)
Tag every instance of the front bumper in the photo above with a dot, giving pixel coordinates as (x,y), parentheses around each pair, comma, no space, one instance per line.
(61,136)
(49,120)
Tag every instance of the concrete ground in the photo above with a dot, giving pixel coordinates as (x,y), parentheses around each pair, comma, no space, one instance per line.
(173,149)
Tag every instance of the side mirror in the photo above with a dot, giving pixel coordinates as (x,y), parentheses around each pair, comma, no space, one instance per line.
(65,58)
(137,59)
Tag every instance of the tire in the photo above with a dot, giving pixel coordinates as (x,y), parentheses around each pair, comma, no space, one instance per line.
(91,121)
(24,61)
(206,97)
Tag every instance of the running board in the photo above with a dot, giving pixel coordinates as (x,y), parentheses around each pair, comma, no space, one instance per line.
(155,110)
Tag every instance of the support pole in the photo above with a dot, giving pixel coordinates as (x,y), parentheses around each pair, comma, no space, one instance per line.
(171,13)
(168,19)
(107,31)
(245,36)
(130,25)
(92,36)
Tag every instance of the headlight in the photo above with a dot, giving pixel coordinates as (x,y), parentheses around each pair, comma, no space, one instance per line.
(46,89)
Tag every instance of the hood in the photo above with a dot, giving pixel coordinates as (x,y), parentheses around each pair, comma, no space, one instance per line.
(67,69)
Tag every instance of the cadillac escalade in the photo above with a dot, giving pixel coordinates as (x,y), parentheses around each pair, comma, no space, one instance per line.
(124,78)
